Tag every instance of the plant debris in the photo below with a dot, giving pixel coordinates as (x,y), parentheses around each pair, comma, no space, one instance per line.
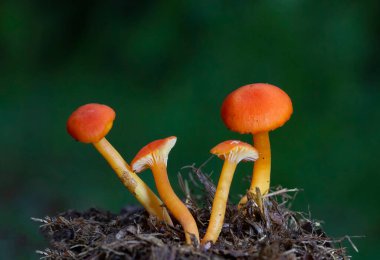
(268,231)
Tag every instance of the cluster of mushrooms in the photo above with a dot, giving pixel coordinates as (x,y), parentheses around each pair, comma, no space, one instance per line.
(255,109)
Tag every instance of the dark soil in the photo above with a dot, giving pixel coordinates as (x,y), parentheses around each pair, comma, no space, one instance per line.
(275,232)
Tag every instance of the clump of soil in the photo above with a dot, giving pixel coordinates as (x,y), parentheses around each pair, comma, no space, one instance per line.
(268,231)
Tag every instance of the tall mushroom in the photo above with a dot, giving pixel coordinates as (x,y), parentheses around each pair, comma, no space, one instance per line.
(90,123)
(232,152)
(257,109)
(155,156)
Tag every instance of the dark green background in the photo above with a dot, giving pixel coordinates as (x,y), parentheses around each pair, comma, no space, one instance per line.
(165,68)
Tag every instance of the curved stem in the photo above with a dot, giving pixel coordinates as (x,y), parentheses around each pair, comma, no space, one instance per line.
(133,183)
(173,203)
(220,202)
(262,166)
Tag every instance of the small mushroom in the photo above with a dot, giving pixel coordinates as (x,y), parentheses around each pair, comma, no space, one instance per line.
(257,109)
(155,156)
(90,123)
(232,152)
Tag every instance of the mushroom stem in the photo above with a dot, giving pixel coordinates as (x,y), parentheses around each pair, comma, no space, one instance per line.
(220,202)
(262,167)
(133,183)
(173,203)
(114,159)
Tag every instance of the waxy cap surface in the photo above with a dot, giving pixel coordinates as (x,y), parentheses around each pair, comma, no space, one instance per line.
(235,151)
(156,151)
(256,108)
(90,123)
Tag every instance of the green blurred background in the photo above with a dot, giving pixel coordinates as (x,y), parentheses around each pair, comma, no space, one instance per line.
(166,68)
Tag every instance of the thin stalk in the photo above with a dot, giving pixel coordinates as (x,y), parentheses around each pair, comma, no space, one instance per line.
(262,166)
(220,203)
(173,203)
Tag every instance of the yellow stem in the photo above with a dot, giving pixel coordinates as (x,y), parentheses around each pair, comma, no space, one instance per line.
(133,183)
(262,166)
(173,203)
(261,169)
(220,202)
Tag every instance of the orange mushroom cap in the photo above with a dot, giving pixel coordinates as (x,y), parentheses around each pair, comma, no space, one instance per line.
(235,151)
(256,108)
(90,123)
(156,151)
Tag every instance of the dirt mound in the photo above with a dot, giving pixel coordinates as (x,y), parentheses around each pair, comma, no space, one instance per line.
(266,228)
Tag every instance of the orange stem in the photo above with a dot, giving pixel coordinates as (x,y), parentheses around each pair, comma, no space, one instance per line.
(219,204)
(262,166)
(173,203)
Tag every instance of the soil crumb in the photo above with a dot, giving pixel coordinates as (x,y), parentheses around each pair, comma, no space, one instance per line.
(265,228)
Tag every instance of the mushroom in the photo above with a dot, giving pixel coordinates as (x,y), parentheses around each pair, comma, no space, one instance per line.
(155,156)
(257,109)
(232,152)
(90,123)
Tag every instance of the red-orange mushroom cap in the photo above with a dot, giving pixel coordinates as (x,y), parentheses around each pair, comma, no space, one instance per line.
(90,122)
(235,151)
(156,151)
(256,108)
